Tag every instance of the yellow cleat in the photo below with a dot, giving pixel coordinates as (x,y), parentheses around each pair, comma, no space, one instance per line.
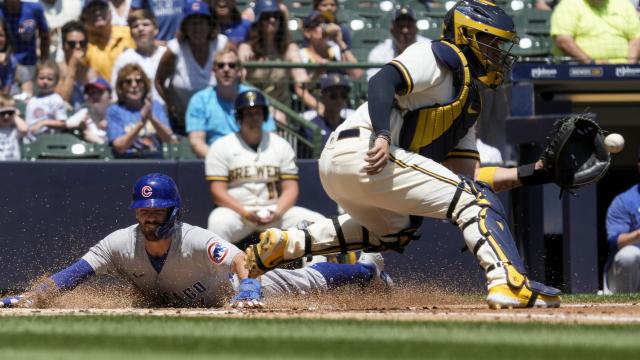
(505,297)
(268,253)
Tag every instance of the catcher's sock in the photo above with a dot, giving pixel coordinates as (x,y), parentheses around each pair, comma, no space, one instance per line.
(338,275)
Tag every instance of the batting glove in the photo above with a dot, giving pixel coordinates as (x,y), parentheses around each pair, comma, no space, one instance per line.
(249,295)
(15,301)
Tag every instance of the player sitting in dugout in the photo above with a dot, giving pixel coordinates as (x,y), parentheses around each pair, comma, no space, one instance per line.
(176,264)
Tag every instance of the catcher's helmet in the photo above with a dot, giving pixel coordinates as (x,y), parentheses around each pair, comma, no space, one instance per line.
(248,99)
(468,18)
(158,191)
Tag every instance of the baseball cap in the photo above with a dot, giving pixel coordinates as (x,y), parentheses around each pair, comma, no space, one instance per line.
(405,12)
(265,6)
(315,14)
(98,83)
(334,80)
(88,3)
(196,7)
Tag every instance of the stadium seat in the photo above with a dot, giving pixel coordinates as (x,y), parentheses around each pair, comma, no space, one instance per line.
(363,41)
(179,151)
(63,146)
(533,46)
(298,8)
(369,10)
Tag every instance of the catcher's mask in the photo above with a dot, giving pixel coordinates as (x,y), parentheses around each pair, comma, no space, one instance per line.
(248,99)
(488,54)
(158,191)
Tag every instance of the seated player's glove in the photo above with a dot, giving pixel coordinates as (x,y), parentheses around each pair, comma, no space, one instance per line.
(575,155)
(15,301)
(249,295)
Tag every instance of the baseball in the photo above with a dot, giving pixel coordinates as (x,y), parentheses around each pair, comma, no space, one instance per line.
(614,143)
(263,213)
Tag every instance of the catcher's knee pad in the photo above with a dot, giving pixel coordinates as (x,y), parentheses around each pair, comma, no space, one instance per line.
(494,231)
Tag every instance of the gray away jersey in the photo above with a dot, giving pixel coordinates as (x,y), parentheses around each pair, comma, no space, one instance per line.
(195,272)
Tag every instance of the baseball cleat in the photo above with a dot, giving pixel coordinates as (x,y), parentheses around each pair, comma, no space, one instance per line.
(505,297)
(268,253)
(375,262)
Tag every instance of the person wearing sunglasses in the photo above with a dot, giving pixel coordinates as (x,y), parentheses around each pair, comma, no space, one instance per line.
(12,129)
(75,73)
(136,125)
(270,40)
(334,95)
(210,114)
(147,53)
(186,67)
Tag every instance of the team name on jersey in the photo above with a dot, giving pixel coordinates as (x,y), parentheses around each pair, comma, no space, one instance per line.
(182,296)
(254,172)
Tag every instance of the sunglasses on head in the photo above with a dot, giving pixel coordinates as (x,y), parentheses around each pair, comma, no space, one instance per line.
(73,43)
(131,81)
(231,65)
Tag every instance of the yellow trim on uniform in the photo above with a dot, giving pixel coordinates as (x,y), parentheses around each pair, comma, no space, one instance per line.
(487,174)
(514,277)
(433,122)
(405,73)
(463,154)
(288,177)
(427,172)
(217,178)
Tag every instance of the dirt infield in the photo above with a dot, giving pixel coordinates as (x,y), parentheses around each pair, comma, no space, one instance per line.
(403,304)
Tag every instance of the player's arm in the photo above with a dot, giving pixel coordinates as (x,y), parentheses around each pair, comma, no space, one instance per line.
(64,280)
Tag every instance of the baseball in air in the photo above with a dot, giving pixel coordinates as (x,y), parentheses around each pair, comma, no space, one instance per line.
(614,143)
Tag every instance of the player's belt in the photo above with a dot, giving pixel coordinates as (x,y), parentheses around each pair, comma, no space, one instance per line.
(349,133)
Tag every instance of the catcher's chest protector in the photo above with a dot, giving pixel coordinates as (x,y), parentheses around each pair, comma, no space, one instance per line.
(433,131)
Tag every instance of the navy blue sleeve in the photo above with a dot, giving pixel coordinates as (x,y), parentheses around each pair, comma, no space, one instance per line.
(382,88)
(73,275)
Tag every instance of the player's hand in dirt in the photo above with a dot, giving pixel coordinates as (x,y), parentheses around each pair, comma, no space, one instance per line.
(249,295)
(377,156)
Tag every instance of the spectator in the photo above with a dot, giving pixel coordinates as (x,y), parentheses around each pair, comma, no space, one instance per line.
(46,112)
(253,192)
(231,24)
(147,53)
(325,43)
(168,14)
(136,126)
(334,96)
(404,32)
(58,13)
(210,114)
(74,71)
(546,5)
(93,118)
(119,11)
(106,41)
(12,129)
(600,31)
(187,66)
(331,7)
(8,62)
(269,40)
(25,19)
(622,270)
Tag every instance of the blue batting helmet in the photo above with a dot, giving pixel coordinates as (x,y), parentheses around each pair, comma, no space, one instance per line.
(251,98)
(158,191)
(468,18)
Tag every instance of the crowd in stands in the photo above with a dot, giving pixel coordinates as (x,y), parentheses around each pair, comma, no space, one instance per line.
(69,64)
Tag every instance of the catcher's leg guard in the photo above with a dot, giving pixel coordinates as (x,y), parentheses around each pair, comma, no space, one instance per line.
(482,219)
(327,236)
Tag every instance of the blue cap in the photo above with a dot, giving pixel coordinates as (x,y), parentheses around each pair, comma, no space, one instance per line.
(334,80)
(405,11)
(195,8)
(98,83)
(87,3)
(265,6)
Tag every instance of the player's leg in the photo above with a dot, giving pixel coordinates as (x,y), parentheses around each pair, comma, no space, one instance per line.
(297,214)
(229,225)
(623,276)
(326,276)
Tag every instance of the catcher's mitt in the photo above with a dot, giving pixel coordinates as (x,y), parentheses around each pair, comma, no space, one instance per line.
(575,155)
